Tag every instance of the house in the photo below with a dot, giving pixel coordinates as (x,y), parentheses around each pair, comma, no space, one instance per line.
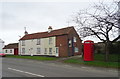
(11,49)
(1,45)
(59,43)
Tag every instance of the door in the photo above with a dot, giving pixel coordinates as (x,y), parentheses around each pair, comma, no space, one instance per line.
(16,51)
(57,51)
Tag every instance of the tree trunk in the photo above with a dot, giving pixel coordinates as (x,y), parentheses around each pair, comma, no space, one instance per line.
(107,51)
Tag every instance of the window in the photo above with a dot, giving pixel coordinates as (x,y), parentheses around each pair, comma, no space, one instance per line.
(23,50)
(75,39)
(70,43)
(38,50)
(10,51)
(87,42)
(50,50)
(23,43)
(6,51)
(76,49)
(38,41)
(45,51)
(57,50)
(50,40)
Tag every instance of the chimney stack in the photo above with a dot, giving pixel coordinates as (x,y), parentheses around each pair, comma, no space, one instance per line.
(49,29)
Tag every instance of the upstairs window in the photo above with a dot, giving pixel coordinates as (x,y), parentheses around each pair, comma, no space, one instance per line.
(75,39)
(38,41)
(50,40)
(23,42)
(70,43)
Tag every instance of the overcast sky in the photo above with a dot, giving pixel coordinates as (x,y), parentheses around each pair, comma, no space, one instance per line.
(37,16)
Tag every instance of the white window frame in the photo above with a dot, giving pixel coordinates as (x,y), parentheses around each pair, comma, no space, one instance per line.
(38,41)
(76,49)
(11,51)
(38,50)
(45,51)
(70,43)
(23,50)
(6,51)
(23,42)
(50,40)
(50,51)
(75,39)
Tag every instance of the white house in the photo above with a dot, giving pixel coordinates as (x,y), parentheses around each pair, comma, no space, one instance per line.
(11,49)
(60,43)
(1,45)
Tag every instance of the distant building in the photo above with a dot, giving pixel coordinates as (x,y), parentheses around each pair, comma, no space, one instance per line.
(59,43)
(11,49)
(1,45)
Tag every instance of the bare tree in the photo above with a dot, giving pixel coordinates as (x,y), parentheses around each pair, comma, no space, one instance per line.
(101,21)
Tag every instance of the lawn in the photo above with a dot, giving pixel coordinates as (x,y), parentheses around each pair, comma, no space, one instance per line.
(33,57)
(98,61)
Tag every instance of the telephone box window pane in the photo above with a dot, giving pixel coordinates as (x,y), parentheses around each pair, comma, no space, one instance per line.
(87,42)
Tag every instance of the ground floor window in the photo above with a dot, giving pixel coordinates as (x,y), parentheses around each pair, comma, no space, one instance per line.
(57,50)
(6,51)
(50,50)
(76,49)
(38,50)
(23,50)
(45,51)
(10,51)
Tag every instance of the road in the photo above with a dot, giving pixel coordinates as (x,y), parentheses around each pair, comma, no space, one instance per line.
(13,67)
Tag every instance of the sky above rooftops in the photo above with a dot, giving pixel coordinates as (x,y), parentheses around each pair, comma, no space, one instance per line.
(37,16)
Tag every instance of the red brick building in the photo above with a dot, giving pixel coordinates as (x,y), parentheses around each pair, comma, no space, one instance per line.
(66,43)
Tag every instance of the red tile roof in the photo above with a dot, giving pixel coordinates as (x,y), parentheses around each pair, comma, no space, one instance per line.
(38,35)
(11,46)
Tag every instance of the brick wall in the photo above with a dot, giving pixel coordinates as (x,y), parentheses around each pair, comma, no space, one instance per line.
(63,43)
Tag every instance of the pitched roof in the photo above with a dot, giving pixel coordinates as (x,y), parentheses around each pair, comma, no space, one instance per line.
(38,35)
(11,46)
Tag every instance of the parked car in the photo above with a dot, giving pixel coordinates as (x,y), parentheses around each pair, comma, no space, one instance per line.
(2,54)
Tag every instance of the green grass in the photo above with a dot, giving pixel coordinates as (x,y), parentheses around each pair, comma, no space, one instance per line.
(93,63)
(98,61)
(101,57)
(34,57)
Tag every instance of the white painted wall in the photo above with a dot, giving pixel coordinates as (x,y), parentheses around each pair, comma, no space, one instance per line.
(31,46)
(1,45)
(8,51)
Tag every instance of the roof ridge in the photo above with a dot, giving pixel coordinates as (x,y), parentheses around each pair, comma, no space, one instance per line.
(55,32)
(52,30)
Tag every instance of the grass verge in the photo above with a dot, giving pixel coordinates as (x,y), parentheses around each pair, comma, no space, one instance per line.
(98,61)
(33,57)
(93,63)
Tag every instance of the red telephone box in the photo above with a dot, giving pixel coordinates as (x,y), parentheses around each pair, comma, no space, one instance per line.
(88,50)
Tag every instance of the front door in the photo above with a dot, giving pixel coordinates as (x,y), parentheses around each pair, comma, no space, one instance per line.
(57,51)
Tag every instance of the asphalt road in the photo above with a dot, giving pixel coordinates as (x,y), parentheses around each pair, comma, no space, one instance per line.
(12,67)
